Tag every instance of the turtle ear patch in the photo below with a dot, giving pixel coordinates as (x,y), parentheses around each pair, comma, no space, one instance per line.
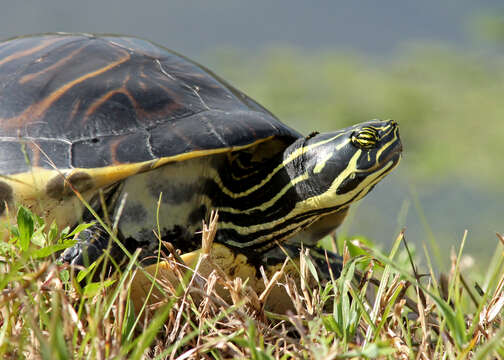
(5,196)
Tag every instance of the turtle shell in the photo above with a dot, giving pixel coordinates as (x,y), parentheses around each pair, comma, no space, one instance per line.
(90,110)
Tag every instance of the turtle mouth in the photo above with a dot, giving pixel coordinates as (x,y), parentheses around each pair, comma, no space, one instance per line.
(394,155)
(391,151)
(389,163)
(371,176)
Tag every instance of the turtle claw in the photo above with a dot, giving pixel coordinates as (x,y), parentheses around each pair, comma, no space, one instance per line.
(81,254)
(69,255)
(92,242)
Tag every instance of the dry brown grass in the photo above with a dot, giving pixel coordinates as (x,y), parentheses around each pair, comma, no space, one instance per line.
(381,312)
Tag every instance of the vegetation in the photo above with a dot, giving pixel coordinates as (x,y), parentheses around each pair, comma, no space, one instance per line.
(392,312)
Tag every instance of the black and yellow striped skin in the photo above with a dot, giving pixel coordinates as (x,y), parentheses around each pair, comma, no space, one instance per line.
(313,178)
(83,112)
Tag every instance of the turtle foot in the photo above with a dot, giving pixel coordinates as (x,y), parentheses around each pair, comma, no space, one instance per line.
(92,242)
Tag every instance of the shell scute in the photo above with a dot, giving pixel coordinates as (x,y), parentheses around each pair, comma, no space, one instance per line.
(122,149)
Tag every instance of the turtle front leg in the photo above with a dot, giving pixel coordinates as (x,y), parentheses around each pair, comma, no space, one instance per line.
(92,243)
(95,240)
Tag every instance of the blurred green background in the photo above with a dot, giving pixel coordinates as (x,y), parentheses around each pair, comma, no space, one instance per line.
(435,67)
(449,107)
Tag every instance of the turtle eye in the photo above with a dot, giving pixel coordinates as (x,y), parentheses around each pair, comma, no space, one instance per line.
(365,138)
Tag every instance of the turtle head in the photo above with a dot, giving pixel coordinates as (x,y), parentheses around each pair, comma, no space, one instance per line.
(343,166)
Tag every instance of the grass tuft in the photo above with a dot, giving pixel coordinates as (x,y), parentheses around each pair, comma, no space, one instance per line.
(380,307)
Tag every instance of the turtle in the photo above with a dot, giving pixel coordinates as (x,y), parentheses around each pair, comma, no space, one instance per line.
(139,133)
